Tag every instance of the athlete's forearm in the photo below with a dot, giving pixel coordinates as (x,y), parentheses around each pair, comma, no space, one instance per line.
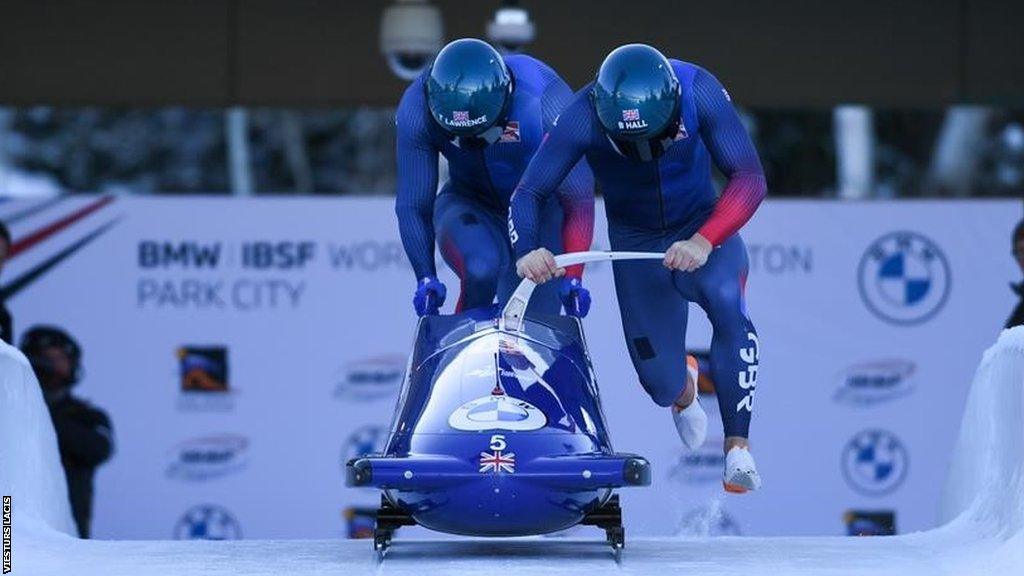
(738,202)
(576,197)
(416,227)
(417,183)
(523,215)
(414,206)
(552,163)
(734,154)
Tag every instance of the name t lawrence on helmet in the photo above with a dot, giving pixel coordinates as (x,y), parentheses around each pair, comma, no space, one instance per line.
(649,128)
(469,88)
(461,119)
(487,115)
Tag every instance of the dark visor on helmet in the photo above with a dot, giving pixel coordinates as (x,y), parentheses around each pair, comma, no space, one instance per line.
(494,131)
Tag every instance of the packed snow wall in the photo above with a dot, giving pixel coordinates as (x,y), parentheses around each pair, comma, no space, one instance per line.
(985,485)
(30,470)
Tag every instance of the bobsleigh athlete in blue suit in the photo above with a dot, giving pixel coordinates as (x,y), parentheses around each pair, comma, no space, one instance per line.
(650,128)
(487,115)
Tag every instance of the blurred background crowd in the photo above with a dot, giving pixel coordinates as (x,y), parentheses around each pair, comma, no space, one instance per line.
(176,150)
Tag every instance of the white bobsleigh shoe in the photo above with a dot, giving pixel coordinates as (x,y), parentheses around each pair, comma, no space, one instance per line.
(740,472)
(691,422)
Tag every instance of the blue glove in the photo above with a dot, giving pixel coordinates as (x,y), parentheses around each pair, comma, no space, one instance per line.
(575,298)
(429,298)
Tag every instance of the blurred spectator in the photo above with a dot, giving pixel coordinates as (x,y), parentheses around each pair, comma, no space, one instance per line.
(84,434)
(6,323)
(184,150)
(1017,318)
(1008,160)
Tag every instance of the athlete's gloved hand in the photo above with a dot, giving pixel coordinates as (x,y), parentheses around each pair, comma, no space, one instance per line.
(688,255)
(430,295)
(539,266)
(575,298)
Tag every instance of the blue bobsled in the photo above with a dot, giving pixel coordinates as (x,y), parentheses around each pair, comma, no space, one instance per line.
(498,430)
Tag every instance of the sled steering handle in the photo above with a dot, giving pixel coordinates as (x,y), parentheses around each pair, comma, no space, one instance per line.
(515,311)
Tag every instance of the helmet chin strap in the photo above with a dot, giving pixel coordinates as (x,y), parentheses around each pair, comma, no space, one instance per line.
(648,149)
(642,150)
(494,133)
(485,138)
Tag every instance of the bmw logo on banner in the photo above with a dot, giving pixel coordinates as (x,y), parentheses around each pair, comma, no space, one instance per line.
(875,462)
(207,522)
(904,278)
(369,439)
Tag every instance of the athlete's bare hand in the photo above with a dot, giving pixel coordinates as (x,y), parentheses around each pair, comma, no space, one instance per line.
(688,255)
(539,266)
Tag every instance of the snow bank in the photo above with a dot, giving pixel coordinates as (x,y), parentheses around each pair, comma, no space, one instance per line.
(986,478)
(30,470)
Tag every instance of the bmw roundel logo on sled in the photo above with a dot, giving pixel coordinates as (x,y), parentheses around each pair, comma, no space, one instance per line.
(875,462)
(497,412)
(904,278)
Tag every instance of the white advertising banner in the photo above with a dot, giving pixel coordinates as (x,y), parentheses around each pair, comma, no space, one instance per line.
(245,349)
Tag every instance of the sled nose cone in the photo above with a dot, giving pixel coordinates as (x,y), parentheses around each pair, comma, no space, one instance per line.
(358,472)
(636,472)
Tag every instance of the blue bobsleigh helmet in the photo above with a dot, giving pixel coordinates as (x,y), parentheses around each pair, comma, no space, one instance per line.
(636,97)
(469,90)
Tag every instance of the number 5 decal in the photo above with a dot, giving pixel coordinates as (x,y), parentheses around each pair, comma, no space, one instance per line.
(498,442)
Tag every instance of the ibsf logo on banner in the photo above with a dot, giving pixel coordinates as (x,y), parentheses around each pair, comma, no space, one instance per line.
(204,378)
(365,440)
(208,457)
(360,521)
(370,379)
(875,462)
(904,278)
(875,382)
(207,522)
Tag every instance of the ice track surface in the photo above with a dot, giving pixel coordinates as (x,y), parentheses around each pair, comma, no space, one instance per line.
(906,555)
(983,504)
